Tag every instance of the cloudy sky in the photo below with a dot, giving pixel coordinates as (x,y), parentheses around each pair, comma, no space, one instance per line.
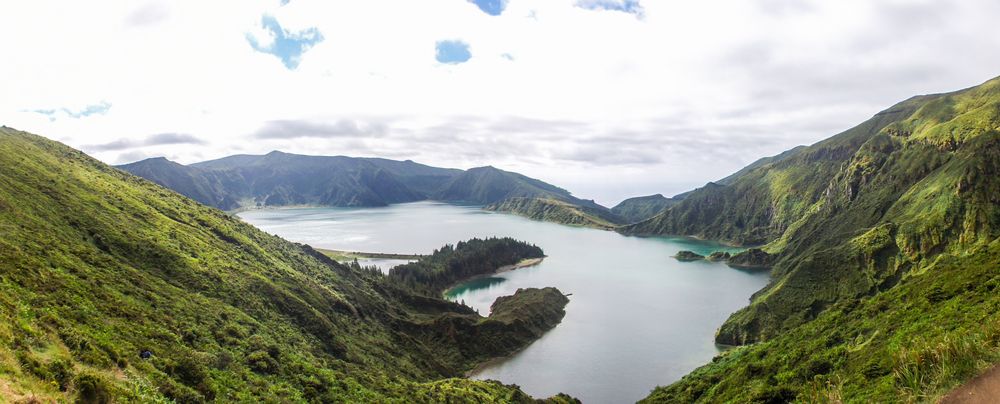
(608,98)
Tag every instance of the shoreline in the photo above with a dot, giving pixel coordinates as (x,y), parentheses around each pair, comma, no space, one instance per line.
(615,229)
(361,254)
(525,263)
(480,367)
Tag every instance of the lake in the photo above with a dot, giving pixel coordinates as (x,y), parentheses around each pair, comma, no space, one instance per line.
(637,318)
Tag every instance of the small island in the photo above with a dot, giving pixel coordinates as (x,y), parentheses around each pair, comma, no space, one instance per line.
(685,256)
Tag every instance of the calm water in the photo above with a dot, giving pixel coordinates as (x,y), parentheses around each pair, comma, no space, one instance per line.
(636,318)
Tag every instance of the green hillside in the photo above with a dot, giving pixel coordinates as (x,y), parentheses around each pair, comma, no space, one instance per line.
(885,247)
(97,265)
(486,185)
(637,209)
(208,187)
(557,211)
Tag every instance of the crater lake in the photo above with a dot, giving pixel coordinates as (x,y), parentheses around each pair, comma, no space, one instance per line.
(637,318)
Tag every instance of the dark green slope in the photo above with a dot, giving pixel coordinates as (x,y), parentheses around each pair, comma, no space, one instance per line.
(640,208)
(282,179)
(486,185)
(509,192)
(97,264)
(905,206)
(761,204)
(208,187)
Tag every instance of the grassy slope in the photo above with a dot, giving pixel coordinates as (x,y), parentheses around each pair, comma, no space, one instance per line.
(913,342)
(556,211)
(761,204)
(640,208)
(914,204)
(486,185)
(98,264)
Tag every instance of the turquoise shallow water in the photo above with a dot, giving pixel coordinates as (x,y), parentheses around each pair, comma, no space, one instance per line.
(637,318)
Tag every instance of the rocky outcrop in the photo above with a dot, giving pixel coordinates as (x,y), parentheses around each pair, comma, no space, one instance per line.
(685,256)
(718,256)
(753,258)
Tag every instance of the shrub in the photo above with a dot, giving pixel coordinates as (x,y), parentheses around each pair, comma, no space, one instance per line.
(91,389)
(262,362)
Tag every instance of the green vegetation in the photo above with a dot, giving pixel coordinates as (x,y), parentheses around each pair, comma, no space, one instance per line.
(282,179)
(884,246)
(97,265)
(911,343)
(685,255)
(454,263)
(556,211)
(716,256)
(640,208)
(486,185)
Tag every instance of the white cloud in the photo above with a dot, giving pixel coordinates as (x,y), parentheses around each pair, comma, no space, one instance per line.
(690,92)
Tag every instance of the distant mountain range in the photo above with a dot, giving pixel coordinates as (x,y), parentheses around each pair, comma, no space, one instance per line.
(283,179)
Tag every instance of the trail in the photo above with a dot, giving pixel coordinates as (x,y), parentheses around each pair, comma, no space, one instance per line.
(985,388)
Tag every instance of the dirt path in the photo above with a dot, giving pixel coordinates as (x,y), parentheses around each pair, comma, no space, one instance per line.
(985,388)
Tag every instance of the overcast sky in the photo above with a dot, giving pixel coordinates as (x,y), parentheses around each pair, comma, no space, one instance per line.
(606,98)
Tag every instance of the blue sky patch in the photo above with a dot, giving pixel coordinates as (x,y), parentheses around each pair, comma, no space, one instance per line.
(99,108)
(287,46)
(452,52)
(625,6)
(491,7)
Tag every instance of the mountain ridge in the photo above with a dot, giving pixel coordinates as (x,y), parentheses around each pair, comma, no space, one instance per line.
(283,179)
(904,206)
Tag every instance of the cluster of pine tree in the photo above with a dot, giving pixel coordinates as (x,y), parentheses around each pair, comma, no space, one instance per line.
(453,263)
